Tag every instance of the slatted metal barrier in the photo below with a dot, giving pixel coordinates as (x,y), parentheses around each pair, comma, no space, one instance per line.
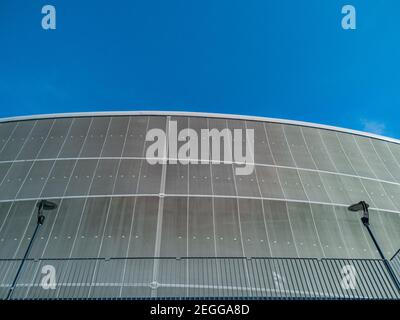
(191,278)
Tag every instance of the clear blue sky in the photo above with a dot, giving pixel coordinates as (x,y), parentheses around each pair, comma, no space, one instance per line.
(276,58)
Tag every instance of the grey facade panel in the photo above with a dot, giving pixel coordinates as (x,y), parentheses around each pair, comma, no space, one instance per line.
(114,204)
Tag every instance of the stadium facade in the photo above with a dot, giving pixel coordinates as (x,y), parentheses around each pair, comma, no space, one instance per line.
(126,228)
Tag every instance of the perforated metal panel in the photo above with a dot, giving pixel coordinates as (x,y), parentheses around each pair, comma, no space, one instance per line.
(113,203)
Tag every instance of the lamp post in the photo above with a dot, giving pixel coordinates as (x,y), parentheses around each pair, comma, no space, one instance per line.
(41,206)
(363,206)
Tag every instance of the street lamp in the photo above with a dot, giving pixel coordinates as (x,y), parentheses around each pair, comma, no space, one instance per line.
(363,206)
(44,205)
(41,206)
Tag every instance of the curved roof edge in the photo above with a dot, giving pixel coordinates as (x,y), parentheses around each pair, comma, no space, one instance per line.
(197,114)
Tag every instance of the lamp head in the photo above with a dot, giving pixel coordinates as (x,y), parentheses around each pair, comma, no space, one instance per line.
(361,206)
(46,205)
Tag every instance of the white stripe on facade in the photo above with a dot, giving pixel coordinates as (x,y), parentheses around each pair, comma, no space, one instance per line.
(194,196)
(212,162)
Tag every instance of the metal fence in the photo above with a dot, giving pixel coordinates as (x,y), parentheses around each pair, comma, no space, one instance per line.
(395,264)
(191,278)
